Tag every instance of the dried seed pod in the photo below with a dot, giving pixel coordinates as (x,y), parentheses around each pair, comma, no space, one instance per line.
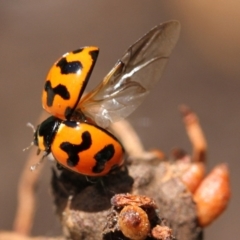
(133,222)
(158,153)
(195,134)
(193,176)
(121,200)
(162,232)
(213,195)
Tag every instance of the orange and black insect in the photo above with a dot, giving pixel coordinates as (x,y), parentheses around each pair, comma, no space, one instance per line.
(77,134)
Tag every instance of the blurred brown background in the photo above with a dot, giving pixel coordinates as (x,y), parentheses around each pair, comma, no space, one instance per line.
(203,72)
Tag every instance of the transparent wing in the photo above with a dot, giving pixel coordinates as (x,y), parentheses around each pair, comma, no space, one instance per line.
(129,82)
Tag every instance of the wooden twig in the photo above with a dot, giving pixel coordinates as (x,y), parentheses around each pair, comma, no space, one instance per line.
(125,132)
(17,236)
(26,192)
(195,134)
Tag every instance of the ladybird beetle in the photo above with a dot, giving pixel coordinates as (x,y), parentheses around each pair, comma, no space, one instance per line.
(77,132)
(79,146)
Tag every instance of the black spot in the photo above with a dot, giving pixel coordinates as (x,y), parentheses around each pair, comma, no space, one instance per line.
(73,150)
(60,90)
(69,67)
(102,157)
(94,55)
(78,50)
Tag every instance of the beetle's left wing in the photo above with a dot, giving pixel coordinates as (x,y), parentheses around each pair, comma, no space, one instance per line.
(129,82)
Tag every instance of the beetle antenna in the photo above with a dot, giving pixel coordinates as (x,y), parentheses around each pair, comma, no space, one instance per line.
(31,126)
(31,144)
(36,165)
(34,130)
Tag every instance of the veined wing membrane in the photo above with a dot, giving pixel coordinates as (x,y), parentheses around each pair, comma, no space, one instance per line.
(129,82)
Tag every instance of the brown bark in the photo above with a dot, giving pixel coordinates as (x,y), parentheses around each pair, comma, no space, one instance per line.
(161,204)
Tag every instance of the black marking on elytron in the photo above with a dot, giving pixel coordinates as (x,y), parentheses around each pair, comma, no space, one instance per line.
(103,156)
(60,90)
(77,50)
(107,132)
(73,150)
(94,55)
(69,67)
